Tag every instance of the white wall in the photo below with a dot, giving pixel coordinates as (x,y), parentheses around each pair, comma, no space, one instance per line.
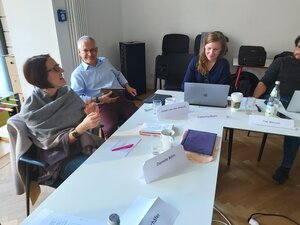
(273,25)
(105,25)
(253,22)
(32,32)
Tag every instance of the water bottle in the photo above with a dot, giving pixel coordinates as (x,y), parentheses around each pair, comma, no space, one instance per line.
(271,108)
(276,94)
(113,219)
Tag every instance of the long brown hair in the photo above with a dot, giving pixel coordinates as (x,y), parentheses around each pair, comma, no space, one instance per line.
(216,36)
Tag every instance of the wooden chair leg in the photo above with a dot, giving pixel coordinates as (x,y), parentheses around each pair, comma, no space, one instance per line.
(262,146)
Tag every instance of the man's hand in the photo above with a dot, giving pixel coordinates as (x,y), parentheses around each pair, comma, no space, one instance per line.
(130,90)
(107,99)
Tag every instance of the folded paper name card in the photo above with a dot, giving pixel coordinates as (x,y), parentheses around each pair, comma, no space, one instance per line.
(164,163)
(199,145)
(271,121)
(145,211)
(180,109)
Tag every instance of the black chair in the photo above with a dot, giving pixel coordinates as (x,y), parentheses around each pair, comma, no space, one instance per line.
(197,44)
(171,44)
(176,68)
(23,162)
(31,169)
(246,84)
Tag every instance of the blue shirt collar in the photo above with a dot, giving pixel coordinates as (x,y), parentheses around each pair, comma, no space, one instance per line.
(87,66)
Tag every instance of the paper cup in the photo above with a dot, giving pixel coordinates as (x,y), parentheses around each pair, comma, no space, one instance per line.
(236,99)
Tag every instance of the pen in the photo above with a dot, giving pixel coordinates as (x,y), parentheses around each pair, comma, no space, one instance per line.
(122,147)
(258,108)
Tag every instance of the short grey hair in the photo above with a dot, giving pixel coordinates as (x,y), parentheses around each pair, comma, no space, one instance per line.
(84,39)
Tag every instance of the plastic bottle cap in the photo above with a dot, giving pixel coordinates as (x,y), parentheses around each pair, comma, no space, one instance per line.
(277,82)
(114,219)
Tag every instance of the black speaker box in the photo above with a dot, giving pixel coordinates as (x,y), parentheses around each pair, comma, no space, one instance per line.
(133,67)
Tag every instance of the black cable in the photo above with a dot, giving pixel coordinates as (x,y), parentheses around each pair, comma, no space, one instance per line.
(272,214)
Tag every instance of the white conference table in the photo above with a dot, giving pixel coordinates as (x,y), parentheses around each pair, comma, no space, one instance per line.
(106,183)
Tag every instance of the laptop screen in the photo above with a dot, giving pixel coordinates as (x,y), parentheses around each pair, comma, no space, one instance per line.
(206,94)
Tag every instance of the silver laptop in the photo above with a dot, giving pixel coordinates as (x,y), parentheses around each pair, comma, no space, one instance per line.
(294,105)
(206,94)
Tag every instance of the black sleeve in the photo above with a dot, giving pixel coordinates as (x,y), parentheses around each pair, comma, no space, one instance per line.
(272,73)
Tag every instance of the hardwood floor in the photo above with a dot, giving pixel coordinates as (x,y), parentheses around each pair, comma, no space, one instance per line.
(246,186)
(243,188)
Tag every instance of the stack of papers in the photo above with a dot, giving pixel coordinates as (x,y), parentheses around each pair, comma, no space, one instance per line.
(154,128)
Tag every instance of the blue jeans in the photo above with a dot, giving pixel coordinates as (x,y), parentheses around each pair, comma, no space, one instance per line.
(290,149)
(71,165)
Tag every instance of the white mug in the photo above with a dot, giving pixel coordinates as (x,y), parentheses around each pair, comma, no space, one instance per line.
(167,138)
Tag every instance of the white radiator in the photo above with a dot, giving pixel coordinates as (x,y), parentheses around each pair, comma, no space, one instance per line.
(76,10)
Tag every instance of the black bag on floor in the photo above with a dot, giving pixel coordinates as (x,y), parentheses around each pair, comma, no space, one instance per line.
(252,55)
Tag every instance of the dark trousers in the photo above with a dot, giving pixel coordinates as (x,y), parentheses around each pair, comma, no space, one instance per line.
(290,149)
(71,165)
(111,114)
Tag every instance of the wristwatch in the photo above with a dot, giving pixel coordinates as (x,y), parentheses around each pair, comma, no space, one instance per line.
(75,134)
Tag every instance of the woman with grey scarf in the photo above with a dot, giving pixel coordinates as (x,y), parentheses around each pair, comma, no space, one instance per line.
(59,122)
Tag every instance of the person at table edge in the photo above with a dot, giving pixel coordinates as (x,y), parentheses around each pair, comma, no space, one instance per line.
(210,66)
(287,71)
(95,73)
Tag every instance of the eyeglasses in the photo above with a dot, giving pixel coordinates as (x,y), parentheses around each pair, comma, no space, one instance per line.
(55,68)
(92,50)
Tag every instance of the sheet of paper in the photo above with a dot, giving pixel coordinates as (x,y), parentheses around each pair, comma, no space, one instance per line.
(121,142)
(208,115)
(48,217)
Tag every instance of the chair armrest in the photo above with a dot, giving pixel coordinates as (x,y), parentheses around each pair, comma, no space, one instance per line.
(29,160)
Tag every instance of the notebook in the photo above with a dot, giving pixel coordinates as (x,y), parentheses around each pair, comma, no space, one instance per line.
(157,97)
(294,105)
(206,94)
(199,142)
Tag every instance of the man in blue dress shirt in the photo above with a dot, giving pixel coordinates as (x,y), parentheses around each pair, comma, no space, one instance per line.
(95,73)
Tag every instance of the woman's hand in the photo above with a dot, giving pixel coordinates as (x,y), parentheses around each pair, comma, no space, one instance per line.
(92,120)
